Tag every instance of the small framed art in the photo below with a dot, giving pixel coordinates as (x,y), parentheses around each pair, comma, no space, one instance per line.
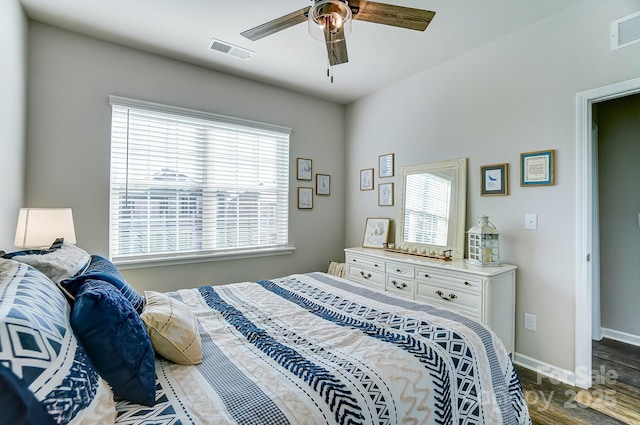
(376,232)
(386,165)
(366,179)
(494,180)
(323,184)
(303,171)
(385,194)
(537,168)
(305,198)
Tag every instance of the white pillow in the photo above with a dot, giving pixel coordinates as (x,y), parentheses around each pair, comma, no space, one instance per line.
(57,264)
(173,328)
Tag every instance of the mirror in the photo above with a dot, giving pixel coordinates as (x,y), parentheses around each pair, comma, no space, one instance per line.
(433,206)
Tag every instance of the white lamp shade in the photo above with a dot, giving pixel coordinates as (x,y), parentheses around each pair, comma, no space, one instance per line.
(39,227)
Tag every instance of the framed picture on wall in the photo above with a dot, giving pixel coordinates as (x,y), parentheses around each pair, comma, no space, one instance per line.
(323,184)
(303,169)
(385,194)
(366,179)
(305,198)
(494,179)
(537,168)
(386,165)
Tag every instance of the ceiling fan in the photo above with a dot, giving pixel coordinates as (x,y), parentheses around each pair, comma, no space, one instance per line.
(330,22)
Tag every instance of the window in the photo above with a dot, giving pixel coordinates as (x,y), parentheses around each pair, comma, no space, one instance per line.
(186,183)
(426,216)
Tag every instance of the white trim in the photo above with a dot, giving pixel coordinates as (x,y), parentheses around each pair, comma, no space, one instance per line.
(625,337)
(545,369)
(203,258)
(584,218)
(596,332)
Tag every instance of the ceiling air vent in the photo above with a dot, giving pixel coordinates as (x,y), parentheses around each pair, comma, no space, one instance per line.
(229,49)
(625,31)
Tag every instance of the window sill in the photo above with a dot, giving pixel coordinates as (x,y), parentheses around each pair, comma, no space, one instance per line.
(201,258)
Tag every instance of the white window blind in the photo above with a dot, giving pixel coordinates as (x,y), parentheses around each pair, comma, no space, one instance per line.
(186,183)
(426,214)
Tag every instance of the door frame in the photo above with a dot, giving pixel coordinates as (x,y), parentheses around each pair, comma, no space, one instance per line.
(585,208)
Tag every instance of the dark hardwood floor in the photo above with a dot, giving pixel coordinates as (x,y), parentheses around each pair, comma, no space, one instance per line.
(613,399)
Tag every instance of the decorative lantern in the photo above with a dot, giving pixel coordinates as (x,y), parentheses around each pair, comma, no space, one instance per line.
(484,244)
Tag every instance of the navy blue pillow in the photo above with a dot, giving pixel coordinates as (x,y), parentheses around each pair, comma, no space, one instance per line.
(116,340)
(101,268)
(18,404)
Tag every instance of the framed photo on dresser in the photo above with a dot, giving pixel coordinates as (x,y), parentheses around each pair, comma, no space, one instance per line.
(376,232)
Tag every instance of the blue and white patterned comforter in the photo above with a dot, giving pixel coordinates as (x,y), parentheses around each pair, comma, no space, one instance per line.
(316,349)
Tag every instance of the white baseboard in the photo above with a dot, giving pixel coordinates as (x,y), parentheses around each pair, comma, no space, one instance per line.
(545,369)
(627,338)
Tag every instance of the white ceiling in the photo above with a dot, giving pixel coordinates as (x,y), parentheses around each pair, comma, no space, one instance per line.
(378,54)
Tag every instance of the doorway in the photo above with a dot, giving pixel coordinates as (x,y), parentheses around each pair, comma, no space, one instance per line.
(586,215)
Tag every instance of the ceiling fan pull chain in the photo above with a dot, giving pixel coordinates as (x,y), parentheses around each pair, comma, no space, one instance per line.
(330,72)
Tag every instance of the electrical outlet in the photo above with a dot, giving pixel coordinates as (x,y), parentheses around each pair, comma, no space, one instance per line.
(530,321)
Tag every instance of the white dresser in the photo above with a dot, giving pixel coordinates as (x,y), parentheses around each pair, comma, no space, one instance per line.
(486,294)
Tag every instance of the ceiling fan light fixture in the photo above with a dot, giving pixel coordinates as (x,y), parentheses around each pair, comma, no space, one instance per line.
(330,21)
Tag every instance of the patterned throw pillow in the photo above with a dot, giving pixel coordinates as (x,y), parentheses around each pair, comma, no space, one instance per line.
(56,263)
(101,268)
(38,346)
(173,328)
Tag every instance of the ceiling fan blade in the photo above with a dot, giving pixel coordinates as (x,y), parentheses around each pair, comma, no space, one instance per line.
(336,50)
(389,14)
(278,24)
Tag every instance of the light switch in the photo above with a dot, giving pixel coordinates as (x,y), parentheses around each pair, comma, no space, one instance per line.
(530,321)
(531,221)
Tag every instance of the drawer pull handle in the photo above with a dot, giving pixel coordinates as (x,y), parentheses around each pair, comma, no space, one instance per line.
(354,260)
(467,283)
(365,275)
(375,265)
(400,285)
(426,275)
(449,298)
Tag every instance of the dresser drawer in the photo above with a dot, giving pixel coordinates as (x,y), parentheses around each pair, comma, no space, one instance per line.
(449,280)
(365,275)
(400,269)
(400,285)
(449,296)
(366,262)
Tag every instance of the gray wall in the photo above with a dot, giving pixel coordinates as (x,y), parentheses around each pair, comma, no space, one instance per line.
(70,79)
(13,85)
(511,96)
(619,184)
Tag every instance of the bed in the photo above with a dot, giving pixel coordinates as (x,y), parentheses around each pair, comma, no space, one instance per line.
(302,349)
